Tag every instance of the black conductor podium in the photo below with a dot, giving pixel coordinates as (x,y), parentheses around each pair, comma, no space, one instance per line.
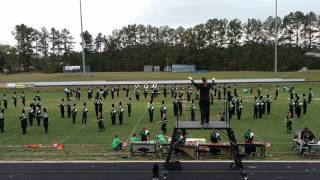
(195,125)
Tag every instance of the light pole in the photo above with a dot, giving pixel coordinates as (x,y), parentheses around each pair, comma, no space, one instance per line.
(276,40)
(82,43)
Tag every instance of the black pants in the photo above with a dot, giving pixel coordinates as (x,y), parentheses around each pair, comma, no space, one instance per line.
(38,121)
(192,115)
(113,120)
(45,125)
(30,119)
(150,116)
(180,109)
(84,119)
(62,114)
(73,119)
(205,111)
(2,125)
(69,113)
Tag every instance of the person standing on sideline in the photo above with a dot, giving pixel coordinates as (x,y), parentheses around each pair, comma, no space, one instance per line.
(204,102)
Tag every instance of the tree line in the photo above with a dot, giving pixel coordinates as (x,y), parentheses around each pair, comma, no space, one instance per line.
(218,44)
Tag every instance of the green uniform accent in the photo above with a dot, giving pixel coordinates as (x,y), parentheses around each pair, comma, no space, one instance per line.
(245,90)
(134,139)
(162,139)
(116,142)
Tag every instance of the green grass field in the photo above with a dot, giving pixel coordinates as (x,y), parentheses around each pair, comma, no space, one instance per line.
(86,143)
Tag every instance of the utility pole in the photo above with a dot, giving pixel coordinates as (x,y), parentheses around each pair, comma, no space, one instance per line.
(276,40)
(82,43)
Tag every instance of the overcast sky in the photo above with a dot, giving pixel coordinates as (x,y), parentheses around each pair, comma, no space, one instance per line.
(106,15)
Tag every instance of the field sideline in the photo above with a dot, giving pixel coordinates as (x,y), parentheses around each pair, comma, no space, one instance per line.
(86,143)
(118,76)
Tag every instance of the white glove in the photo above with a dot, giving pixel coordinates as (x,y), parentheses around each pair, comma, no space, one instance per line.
(190,78)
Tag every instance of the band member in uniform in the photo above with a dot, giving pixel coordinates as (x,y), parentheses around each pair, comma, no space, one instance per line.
(90,93)
(84,114)
(23,98)
(118,90)
(215,138)
(45,120)
(23,122)
(235,91)
(255,108)
(31,115)
(112,92)
(193,110)
(113,115)
(145,134)
(116,143)
(248,137)
(298,105)
(239,108)
(310,96)
(69,108)
(165,91)
(78,94)
(219,93)
(61,105)
(100,106)
(127,91)
(150,110)
(129,107)
(14,97)
(189,94)
(163,109)
(2,120)
(164,122)
(37,96)
(100,123)
(104,93)
(38,116)
(120,113)
(204,102)
(5,101)
(259,91)
(137,92)
(74,113)
(145,91)
(96,104)
(289,121)
(268,102)
(277,92)
(180,99)
(305,103)
(175,107)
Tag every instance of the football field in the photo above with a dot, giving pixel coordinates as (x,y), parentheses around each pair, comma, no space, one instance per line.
(85,142)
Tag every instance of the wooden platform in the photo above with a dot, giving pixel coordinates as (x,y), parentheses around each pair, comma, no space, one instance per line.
(197,125)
